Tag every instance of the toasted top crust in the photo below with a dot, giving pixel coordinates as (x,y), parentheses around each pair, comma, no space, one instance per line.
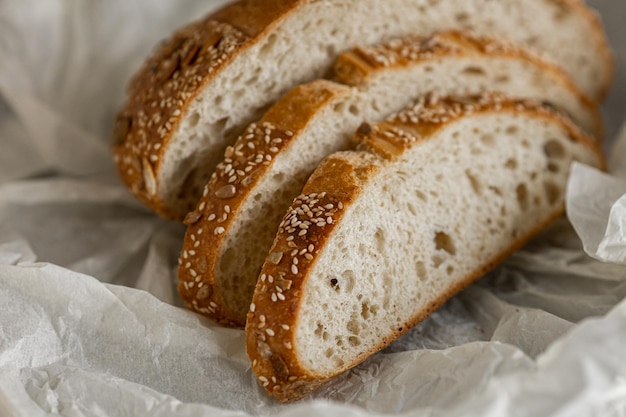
(335,185)
(172,77)
(244,164)
(358,66)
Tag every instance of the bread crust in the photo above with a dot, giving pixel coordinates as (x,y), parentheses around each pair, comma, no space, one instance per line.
(185,65)
(245,163)
(172,77)
(358,66)
(334,186)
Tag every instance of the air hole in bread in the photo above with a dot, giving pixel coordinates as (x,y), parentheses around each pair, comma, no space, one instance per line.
(522,196)
(497,191)
(532,40)
(354,110)
(502,79)
(421,195)
(512,130)
(353,326)
(379,236)
(250,82)
(450,270)
(194,119)
(552,191)
(487,140)
(475,71)
(461,17)
(267,46)
(329,353)
(511,164)
(526,143)
(340,107)
(338,341)
(334,283)
(444,242)
(437,260)
(554,149)
(553,167)
(354,341)
(221,123)
(411,209)
(420,270)
(474,182)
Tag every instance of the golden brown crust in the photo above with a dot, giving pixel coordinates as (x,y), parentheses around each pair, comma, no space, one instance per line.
(160,93)
(358,66)
(245,163)
(335,185)
(172,77)
(392,137)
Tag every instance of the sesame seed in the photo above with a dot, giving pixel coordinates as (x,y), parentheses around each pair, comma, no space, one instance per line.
(270,279)
(219,230)
(285,327)
(211,217)
(274,298)
(270,332)
(280,296)
(193,273)
(294,269)
(252,307)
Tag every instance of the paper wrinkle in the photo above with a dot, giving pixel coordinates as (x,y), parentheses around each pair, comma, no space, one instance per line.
(91,324)
(596,206)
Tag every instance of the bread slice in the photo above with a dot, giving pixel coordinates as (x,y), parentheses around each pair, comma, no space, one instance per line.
(382,236)
(231,230)
(201,88)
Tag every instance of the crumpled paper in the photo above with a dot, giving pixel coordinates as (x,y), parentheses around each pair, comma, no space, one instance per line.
(596,206)
(90,322)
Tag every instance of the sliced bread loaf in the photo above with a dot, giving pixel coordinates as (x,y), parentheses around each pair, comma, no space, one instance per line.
(382,236)
(232,228)
(200,89)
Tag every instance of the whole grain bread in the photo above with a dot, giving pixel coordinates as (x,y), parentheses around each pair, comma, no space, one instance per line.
(233,226)
(201,87)
(382,236)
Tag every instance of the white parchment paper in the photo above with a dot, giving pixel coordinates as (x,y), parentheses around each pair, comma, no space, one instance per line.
(90,323)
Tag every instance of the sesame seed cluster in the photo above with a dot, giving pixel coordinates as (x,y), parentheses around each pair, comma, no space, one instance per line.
(301,232)
(243,164)
(401,51)
(159,94)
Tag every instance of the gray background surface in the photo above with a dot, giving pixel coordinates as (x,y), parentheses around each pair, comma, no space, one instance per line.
(614,17)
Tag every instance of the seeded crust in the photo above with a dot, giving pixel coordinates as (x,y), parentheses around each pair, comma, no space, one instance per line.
(358,66)
(330,191)
(185,65)
(245,163)
(225,295)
